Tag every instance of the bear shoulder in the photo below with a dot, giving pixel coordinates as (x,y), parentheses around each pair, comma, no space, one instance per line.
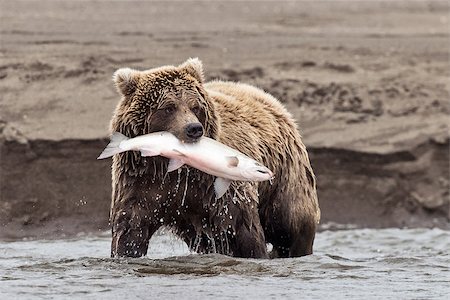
(247,95)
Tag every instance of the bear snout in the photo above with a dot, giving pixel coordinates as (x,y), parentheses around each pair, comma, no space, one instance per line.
(193,131)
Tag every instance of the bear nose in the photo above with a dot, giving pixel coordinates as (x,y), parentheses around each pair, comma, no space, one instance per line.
(194,130)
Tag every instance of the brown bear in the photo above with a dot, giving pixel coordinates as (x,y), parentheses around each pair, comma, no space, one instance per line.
(145,196)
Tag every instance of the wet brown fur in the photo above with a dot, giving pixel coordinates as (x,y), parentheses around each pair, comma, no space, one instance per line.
(146,197)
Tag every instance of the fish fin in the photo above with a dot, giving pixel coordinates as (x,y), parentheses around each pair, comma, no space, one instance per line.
(221,186)
(174,164)
(148,152)
(114,145)
(179,152)
(232,161)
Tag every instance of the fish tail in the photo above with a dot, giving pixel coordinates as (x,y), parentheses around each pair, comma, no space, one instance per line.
(114,145)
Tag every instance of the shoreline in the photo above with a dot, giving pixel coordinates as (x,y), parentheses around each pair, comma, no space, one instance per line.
(71,190)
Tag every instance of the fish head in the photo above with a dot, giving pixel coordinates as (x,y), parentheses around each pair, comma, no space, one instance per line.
(254,171)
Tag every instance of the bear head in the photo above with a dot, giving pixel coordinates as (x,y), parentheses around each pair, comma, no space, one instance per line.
(168,98)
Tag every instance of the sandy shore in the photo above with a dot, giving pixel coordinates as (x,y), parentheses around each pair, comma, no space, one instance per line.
(367,82)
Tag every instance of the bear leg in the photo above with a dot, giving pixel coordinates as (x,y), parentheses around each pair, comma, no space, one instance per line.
(246,237)
(293,242)
(288,226)
(302,242)
(131,231)
(250,242)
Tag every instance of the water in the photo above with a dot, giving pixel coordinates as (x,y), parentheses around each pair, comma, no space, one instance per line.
(347,264)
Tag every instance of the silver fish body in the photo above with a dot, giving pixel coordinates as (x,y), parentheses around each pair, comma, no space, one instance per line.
(206,155)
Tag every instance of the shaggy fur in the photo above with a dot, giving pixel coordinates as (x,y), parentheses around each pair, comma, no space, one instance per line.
(146,197)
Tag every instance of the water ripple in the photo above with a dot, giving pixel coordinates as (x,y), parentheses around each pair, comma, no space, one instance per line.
(387,264)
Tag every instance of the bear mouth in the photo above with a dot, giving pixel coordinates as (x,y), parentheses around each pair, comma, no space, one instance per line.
(190,140)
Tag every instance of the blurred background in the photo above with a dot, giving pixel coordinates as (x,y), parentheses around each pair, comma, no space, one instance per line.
(367,82)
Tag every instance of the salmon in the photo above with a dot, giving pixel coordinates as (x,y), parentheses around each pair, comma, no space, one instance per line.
(206,155)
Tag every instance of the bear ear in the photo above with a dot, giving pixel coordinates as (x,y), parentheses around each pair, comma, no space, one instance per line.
(195,68)
(126,80)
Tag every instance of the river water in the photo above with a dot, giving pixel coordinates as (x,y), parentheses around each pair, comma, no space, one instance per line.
(347,264)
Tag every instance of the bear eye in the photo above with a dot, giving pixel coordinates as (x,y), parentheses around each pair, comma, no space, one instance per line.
(195,109)
(169,109)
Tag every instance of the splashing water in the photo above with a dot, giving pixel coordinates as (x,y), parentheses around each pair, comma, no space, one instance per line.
(347,264)
(177,185)
(185,187)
